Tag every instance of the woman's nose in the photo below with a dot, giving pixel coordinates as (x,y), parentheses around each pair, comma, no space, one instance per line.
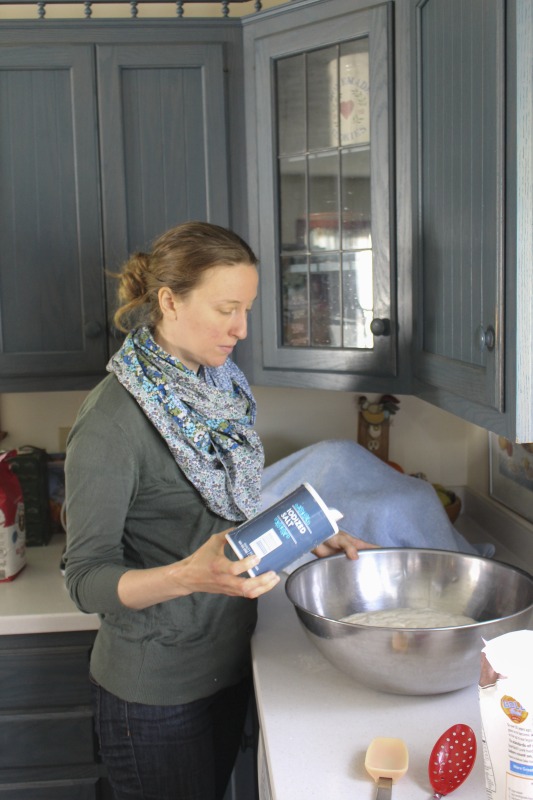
(239,326)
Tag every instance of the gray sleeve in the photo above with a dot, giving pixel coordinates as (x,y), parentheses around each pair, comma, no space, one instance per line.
(101,479)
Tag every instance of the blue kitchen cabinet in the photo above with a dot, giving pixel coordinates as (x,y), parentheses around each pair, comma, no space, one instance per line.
(48,749)
(319,103)
(52,303)
(163,155)
(105,142)
(472,209)
(451,213)
(397,260)
(144,127)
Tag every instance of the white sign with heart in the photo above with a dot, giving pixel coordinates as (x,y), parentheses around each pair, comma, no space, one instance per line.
(350,100)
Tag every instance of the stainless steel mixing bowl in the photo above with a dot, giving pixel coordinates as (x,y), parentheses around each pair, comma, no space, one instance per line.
(412,661)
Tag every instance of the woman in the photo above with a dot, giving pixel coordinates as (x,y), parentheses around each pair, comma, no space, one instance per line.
(161,462)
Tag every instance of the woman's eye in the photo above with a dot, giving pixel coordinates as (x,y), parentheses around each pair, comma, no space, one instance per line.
(232,311)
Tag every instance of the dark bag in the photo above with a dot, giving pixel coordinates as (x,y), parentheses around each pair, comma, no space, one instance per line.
(30,465)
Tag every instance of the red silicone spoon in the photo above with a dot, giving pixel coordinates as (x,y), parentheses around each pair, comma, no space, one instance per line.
(452,759)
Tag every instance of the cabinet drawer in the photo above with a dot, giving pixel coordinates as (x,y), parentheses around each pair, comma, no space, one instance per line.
(53,792)
(55,783)
(41,678)
(41,739)
(45,670)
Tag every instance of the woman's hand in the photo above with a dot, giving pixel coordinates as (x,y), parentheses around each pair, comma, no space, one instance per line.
(209,570)
(342,542)
(205,570)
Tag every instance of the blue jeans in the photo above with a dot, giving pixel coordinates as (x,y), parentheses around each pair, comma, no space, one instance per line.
(183,752)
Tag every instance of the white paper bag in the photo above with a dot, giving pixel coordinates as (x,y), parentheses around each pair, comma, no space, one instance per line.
(506,704)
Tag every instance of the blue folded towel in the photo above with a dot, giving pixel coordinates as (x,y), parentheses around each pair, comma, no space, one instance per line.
(379,504)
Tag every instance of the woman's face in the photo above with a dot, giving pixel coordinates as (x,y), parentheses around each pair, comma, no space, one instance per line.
(203,327)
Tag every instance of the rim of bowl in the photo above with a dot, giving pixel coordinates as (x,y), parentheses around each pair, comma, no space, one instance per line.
(469,626)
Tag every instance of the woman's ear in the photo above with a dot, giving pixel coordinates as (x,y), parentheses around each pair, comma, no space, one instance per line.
(167,303)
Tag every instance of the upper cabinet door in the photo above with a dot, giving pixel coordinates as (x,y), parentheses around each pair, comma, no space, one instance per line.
(52,315)
(460,72)
(321,188)
(473,210)
(163,140)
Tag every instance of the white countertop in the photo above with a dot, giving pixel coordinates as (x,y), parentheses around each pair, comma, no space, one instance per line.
(316,722)
(37,601)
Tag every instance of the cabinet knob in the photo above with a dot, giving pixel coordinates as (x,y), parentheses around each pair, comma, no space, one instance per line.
(486,338)
(93,329)
(380,327)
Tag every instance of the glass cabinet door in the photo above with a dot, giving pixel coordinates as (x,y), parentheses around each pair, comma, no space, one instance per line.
(324,196)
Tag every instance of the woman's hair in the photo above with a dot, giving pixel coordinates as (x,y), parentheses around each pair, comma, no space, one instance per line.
(178,260)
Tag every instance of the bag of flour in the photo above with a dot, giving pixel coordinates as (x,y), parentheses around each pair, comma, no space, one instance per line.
(506,704)
(12,527)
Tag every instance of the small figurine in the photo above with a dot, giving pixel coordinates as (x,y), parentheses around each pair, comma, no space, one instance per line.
(374,421)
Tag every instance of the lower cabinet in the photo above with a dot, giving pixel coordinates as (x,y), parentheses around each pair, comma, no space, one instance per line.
(48,750)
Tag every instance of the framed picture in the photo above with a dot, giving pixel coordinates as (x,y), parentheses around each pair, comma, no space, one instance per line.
(511,474)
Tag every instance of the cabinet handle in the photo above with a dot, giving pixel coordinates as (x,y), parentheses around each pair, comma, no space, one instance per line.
(486,338)
(93,329)
(380,327)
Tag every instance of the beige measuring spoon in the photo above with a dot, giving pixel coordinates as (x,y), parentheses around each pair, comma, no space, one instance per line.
(386,760)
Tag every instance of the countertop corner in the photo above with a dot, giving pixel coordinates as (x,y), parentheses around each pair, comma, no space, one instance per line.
(37,600)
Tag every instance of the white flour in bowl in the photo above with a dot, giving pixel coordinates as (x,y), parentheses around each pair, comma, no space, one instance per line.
(409,618)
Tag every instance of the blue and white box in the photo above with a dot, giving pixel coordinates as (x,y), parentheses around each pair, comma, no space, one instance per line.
(287,530)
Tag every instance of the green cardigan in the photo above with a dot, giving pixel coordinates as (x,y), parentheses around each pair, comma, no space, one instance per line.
(129,506)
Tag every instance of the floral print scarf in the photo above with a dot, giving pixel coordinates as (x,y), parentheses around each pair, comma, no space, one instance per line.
(206,420)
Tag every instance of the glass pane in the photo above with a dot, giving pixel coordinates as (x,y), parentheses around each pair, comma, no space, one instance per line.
(354,97)
(290,84)
(322,93)
(293,204)
(324,201)
(325,301)
(355,199)
(295,300)
(324,197)
(358,299)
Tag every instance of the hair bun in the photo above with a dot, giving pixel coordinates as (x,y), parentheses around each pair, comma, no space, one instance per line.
(133,283)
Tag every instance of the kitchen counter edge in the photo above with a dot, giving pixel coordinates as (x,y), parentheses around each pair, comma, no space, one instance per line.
(37,600)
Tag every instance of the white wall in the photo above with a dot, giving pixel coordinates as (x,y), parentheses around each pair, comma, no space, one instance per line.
(422,438)
(35,418)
